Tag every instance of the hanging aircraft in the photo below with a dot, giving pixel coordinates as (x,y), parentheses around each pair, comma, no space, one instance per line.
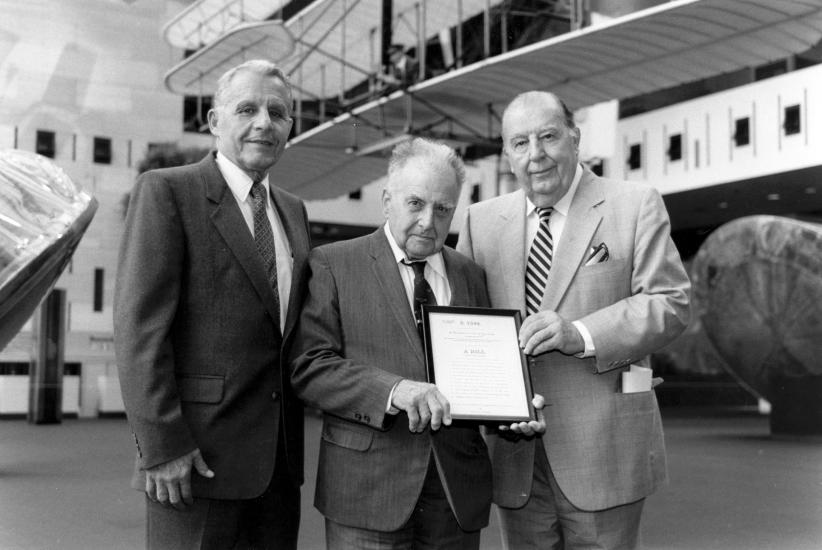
(349,116)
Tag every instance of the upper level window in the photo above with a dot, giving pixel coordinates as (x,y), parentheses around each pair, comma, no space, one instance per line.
(102,150)
(742,133)
(635,157)
(355,195)
(675,147)
(793,124)
(98,288)
(45,144)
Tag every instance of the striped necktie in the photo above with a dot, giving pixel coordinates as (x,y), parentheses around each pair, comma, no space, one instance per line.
(264,239)
(539,263)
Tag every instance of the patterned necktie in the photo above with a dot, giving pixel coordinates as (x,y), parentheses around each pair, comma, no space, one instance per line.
(539,263)
(264,239)
(422,291)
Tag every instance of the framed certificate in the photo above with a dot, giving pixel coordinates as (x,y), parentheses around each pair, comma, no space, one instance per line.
(474,358)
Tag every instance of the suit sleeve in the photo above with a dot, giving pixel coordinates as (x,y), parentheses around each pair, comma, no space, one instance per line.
(321,375)
(658,309)
(149,272)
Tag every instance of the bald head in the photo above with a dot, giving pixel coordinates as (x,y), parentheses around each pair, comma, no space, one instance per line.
(537,97)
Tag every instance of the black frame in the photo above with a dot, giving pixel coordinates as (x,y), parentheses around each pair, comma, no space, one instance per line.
(479,311)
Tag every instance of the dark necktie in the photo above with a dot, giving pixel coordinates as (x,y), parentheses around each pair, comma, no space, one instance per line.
(539,263)
(264,239)
(422,291)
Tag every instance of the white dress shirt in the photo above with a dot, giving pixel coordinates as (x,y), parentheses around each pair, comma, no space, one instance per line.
(240,185)
(556,223)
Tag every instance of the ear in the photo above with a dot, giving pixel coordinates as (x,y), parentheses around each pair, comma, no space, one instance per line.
(212,122)
(505,154)
(577,134)
(386,200)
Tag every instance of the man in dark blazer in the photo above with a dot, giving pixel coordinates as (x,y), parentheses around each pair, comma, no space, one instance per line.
(394,471)
(616,291)
(209,282)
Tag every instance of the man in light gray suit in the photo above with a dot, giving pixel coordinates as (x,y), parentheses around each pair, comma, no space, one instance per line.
(591,263)
(394,471)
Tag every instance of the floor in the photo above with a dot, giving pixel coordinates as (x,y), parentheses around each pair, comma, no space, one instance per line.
(732,487)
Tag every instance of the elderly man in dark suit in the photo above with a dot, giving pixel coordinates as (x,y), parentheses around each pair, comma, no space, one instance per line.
(591,263)
(209,282)
(394,471)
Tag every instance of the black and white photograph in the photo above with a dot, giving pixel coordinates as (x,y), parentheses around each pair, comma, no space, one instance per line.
(410,274)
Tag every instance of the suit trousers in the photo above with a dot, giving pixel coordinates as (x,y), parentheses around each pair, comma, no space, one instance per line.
(269,521)
(432,526)
(549,521)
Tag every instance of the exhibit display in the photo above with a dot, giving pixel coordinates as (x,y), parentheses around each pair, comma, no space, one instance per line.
(43,215)
(757,285)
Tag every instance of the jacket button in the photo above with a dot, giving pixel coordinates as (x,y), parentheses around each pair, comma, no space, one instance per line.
(275,396)
(358,416)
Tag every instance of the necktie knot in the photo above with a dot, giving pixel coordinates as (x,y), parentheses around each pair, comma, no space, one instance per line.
(418,267)
(257,190)
(544,214)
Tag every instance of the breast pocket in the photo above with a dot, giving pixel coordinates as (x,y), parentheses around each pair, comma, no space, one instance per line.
(604,283)
(614,265)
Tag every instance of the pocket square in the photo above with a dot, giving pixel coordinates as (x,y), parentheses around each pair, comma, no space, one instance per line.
(597,254)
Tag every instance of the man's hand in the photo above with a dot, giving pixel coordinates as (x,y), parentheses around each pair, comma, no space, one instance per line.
(532,427)
(170,482)
(545,331)
(423,403)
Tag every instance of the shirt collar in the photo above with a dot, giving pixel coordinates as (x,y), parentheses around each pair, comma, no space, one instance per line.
(435,261)
(563,205)
(238,181)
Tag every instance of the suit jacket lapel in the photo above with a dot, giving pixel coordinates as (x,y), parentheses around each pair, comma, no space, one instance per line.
(229,221)
(459,291)
(583,220)
(511,252)
(384,268)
